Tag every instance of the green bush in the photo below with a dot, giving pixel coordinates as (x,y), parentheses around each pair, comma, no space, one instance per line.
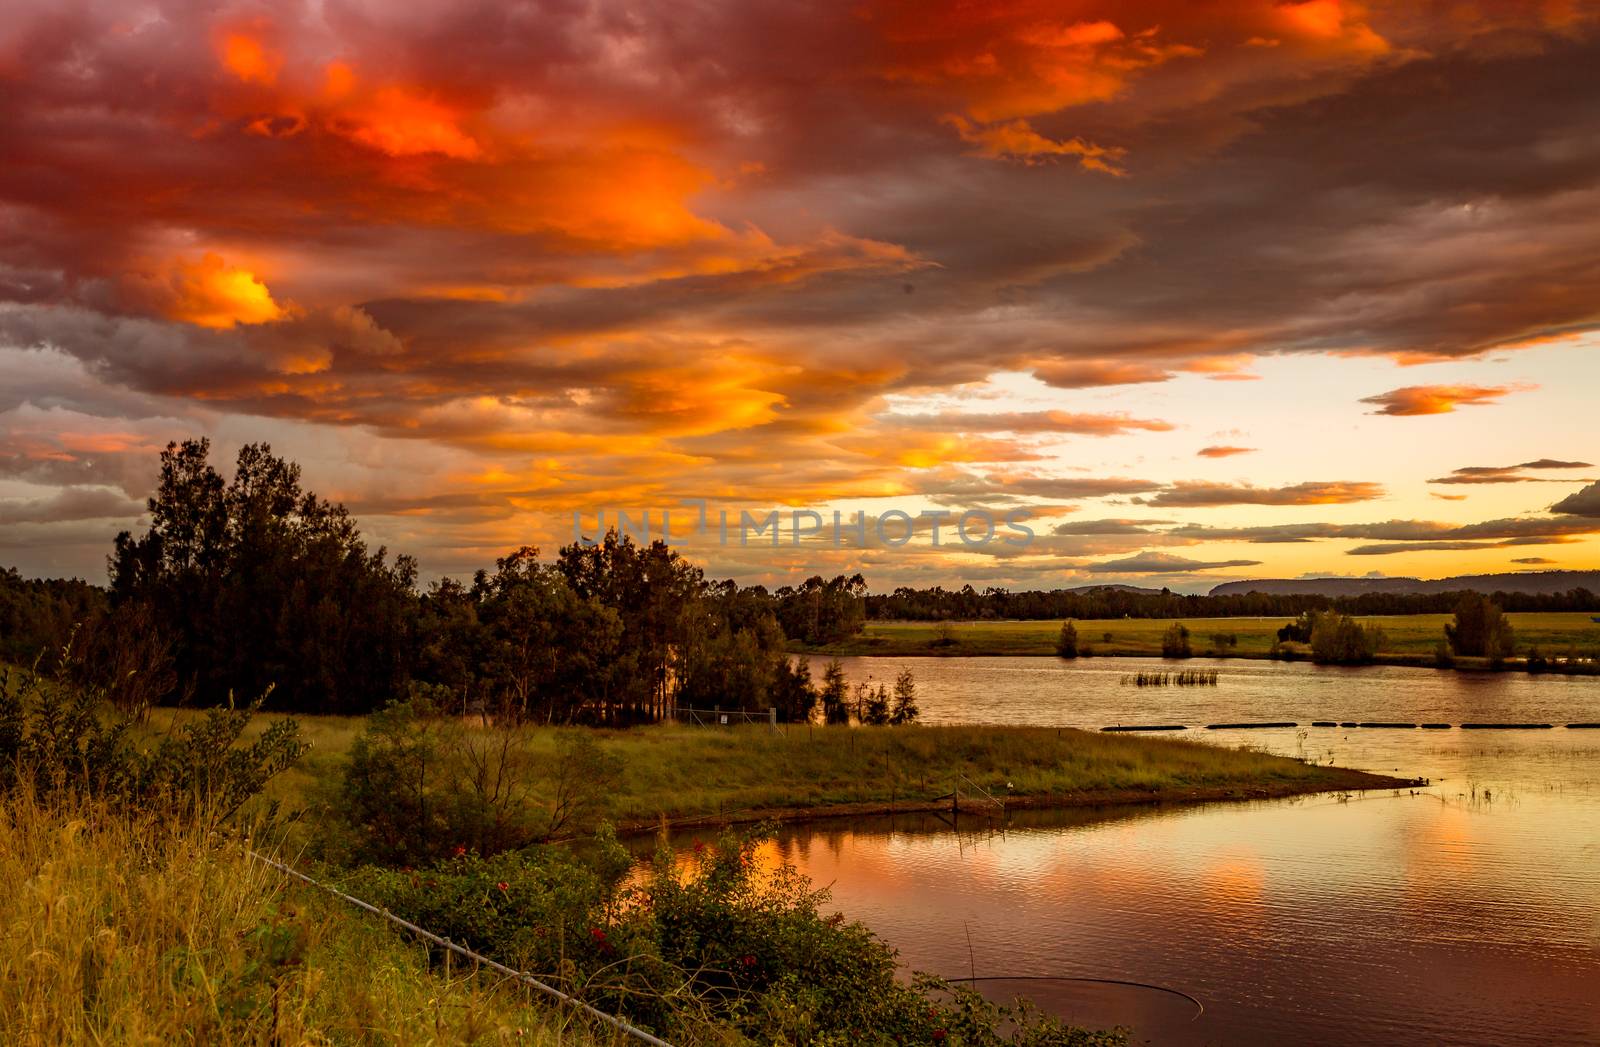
(419,785)
(52,734)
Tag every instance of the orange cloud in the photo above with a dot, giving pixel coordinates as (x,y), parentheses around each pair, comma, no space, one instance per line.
(1438,399)
(1005,61)
(1331,21)
(1223,451)
(1197,493)
(1018,141)
(249,59)
(209,293)
(1031,422)
(399,122)
(1085,374)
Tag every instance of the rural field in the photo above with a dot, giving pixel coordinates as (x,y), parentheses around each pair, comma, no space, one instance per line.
(1418,634)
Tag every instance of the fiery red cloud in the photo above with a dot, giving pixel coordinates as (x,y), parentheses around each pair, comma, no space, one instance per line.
(575,253)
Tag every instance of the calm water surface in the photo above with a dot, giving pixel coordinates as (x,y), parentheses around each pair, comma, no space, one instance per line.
(1467,912)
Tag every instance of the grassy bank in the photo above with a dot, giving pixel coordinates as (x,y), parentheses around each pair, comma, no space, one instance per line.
(687,774)
(144,931)
(1409,639)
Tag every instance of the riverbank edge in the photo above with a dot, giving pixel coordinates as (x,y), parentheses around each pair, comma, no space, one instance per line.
(1339,779)
(1412,661)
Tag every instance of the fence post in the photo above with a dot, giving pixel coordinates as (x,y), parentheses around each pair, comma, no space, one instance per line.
(772,717)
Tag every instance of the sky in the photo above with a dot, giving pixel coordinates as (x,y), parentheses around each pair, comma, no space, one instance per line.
(1197,292)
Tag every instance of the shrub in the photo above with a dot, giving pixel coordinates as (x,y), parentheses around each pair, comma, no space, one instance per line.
(420,785)
(1067,641)
(872,706)
(1175,642)
(52,736)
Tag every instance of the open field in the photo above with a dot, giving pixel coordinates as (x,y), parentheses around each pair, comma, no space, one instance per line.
(1413,635)
(686,774)
(150,931)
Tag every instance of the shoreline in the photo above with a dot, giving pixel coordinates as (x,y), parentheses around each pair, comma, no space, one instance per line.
(1343,779)
(1465,663)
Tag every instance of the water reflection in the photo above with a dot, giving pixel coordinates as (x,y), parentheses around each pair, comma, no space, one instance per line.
(1466,912)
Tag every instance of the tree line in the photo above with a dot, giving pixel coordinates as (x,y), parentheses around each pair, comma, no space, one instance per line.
(971,604)
(250,582)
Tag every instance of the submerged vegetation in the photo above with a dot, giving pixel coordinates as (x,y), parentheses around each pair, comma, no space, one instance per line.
(1185,678)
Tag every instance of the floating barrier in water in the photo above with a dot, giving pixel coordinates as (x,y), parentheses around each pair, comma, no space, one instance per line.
(1243,726)
(1435,727)
(1324,723)
(1583,726)
(1506,726)
(1404,726)
(1349,723)
(1147,727)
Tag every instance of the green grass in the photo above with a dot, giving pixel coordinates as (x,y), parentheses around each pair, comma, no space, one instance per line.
(683,772)
(1418,634)
(696,772)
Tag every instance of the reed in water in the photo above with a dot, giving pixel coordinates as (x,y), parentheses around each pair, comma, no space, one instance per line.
(1186,678)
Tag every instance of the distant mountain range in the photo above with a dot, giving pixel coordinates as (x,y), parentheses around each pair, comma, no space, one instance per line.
(1520,582)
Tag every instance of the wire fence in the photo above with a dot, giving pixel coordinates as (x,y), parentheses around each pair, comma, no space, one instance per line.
(621,1024)
(717,717)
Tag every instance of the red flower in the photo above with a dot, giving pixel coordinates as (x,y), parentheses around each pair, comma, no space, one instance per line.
(749,961)
(597,934)
(503,885)
(938,1034)
(458,852)
(699,846)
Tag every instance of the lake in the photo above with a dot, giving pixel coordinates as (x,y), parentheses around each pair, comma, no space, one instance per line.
(1466,912)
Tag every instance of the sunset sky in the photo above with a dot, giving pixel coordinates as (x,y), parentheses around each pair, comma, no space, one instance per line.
(1215,290)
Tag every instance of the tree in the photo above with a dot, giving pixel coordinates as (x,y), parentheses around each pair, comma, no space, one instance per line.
(551,654)
(793,694)
(1067,641)
(835,694)
(1480,629)
(260,583)
(874,705)
(1338,639)
(821,612)
(904,711)
(658,597)
(1175,642)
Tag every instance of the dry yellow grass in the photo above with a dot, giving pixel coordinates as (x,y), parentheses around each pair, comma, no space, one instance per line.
(124,929)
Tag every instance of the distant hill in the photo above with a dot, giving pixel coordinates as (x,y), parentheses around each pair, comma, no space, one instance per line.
(1535,582)
(1141,590)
